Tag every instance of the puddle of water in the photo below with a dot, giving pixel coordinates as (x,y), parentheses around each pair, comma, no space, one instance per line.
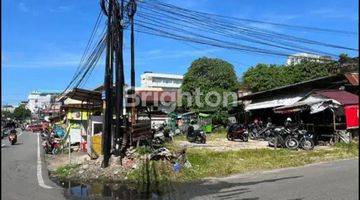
(77,191)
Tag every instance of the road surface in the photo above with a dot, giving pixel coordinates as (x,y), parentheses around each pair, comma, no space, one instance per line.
(338,180)
(20,174)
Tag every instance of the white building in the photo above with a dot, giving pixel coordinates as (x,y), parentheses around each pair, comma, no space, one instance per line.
(41,100)
(164,81)
(8,108)
(301,57)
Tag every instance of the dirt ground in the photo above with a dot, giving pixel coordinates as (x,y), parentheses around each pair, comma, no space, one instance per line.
(222,144)
(55,161)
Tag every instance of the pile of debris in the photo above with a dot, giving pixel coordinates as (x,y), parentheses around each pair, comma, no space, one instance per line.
(90,170)
(177,159)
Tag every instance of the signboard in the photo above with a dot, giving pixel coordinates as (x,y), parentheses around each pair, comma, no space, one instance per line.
(77,115)
(103,95)
(352,116)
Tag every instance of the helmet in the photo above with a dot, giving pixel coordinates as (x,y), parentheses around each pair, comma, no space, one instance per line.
(288,119)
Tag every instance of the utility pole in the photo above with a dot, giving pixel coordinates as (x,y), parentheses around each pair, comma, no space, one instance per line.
(108,84)
(119,71)
(131,13)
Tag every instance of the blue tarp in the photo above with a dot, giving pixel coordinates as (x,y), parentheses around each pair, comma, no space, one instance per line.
(59,131)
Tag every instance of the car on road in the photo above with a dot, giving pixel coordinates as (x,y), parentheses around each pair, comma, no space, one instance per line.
(34,128)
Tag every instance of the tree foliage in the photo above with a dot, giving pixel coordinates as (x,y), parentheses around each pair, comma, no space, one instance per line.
(7,114)
(21,113)
(209,75)
(265,77)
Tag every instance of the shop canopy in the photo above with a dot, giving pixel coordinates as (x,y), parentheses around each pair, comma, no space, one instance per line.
(343,97)
(81,95)
(272,103)
(312,103)
(320,100)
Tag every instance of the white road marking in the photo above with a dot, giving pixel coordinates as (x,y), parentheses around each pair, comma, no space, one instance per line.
(38,171)
(2,145)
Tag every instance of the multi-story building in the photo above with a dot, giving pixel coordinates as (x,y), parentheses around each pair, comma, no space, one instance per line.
(302,57)
(8,108)
(164,81)
(39,100)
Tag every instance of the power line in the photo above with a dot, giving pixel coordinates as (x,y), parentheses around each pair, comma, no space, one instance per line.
(236,19)
(167,9)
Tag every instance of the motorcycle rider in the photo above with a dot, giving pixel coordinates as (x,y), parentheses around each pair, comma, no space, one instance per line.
(269,123)
(288,122)
(13,136)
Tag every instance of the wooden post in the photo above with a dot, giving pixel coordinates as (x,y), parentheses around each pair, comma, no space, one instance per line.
(69,150)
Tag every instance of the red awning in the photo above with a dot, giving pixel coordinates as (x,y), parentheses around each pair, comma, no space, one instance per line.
(343,97)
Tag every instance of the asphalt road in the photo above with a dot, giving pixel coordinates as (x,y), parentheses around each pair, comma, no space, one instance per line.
(334,180)
(19,177)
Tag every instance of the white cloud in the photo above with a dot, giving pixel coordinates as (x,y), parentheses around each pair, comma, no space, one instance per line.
(329,13)
(60,9)
(26,9)
(158,54)
(23,7)
(63,60)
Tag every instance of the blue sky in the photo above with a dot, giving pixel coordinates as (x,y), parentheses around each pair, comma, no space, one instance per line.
(43,41)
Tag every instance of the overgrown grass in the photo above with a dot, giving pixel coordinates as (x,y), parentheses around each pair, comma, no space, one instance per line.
(142,150)
(65,171)
(152,175)
(208,163)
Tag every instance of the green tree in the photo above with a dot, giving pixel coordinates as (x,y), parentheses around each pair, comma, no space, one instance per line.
(209,75)
(21,113)
(7,114)
(344,58)
(265,77)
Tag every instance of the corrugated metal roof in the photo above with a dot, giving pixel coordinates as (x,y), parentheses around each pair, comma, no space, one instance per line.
(272,103)
(318,83)
(353,78)
(345,98)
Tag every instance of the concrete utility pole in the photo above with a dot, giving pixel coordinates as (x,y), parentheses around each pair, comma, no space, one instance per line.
(108,84)
(131,12)
(115,14)
(119,70)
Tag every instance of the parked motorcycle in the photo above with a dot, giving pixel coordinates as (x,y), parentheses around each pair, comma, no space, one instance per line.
(253,130)
(160,136)
(306,140)
(291,141)
(51,144)
(237,131)
(284,137)
(276,137)
(195,135)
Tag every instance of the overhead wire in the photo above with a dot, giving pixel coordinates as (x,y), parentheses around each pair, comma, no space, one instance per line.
(154,6)
(83,67)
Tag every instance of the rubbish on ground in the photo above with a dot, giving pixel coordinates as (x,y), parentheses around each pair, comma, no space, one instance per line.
(161,154)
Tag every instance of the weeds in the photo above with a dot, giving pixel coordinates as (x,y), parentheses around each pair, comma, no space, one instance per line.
(65,171)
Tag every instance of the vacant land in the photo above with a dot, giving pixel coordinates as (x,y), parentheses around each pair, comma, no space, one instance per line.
(217,158)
